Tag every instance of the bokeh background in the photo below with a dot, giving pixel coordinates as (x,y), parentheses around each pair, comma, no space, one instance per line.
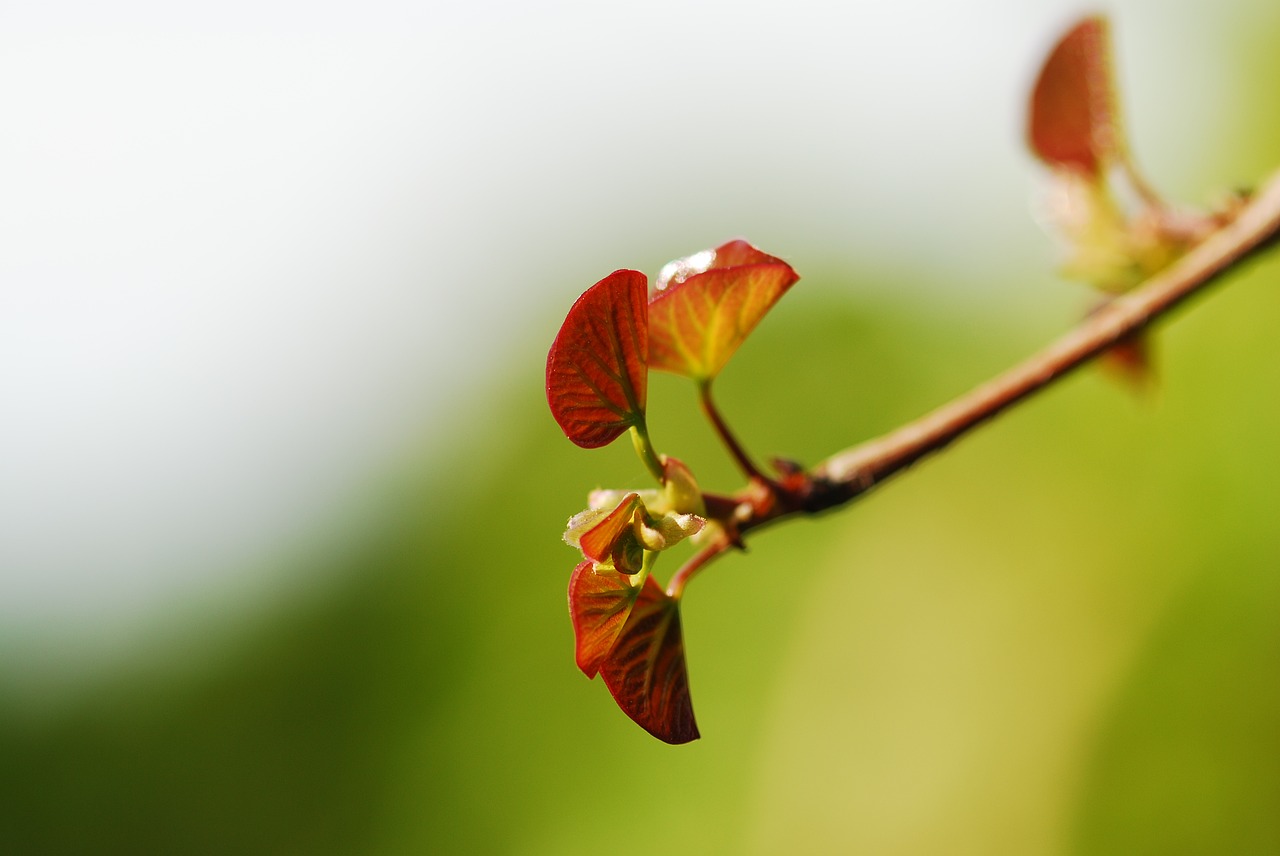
(280,501)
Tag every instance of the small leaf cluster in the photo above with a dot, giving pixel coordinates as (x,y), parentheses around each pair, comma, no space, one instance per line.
(701,309)
(1116,229)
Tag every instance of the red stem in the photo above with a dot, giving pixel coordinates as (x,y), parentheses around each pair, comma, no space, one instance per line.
(739,454)
(689,569)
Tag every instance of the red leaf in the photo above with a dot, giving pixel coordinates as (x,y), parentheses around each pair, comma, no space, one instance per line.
(707,304)
(646,670)
(1073,121)
(599,543)
(596,370)
(598,605)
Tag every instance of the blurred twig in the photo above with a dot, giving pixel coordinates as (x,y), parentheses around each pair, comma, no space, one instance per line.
(856,470)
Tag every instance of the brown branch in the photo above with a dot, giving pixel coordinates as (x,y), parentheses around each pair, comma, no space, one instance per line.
(852,472)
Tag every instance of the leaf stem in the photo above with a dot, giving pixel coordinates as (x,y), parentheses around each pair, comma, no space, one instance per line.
(731,443)
(1140,185)
(644,448)
(646,567)
(700,559)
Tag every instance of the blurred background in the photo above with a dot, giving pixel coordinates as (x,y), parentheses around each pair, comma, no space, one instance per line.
(281,502)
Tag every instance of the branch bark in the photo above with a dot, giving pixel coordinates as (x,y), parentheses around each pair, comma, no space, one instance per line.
(856,470)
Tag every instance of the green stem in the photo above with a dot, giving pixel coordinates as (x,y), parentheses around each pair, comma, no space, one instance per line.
(644,448)
(646,567)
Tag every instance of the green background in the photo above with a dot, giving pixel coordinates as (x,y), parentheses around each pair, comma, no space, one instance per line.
(1060,636)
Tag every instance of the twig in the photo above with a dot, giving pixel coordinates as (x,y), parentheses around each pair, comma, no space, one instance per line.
(854,471)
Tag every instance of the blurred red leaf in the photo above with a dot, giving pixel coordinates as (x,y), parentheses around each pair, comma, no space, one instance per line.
(707,304)
(1130,359)
(596,370)
(1073,120)
(598,605)
(646,670)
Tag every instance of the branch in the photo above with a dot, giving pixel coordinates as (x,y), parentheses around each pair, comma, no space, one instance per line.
(855,471)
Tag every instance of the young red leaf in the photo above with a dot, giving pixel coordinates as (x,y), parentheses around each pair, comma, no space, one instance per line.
(597,367)
(608,539)
(707,304)
(645,671)
(598,605)
(598,541)
(1073,121)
